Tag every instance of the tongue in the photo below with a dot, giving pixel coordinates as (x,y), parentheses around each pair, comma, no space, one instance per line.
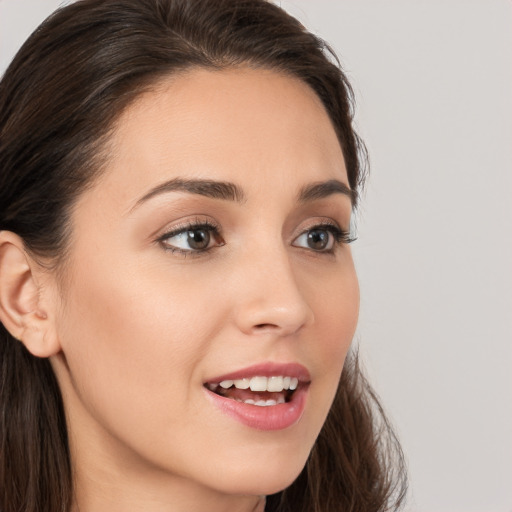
(246,394)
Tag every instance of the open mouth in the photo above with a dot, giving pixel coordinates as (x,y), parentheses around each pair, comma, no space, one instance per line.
(260,391)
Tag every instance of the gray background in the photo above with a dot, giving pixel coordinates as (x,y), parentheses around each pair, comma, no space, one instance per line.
(433,81)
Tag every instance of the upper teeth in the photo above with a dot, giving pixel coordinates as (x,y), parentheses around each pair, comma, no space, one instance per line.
(273,384)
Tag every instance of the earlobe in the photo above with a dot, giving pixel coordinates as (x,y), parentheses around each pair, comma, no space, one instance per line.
(24,310)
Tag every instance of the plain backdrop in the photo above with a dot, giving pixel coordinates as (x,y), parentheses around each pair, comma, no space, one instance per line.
(433,82)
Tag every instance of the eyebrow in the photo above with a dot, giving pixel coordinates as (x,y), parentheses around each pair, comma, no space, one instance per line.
(325,189)
(230,192)
(208,188)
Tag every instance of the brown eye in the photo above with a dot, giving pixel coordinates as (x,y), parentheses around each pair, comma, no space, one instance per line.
(319,239)
(198,239)
(322,238)
(190,239)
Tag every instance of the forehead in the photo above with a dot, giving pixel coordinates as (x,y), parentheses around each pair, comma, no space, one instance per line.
(252,127)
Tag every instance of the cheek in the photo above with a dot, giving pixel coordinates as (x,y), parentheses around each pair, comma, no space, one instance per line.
(132,342)
(134,307)
(336,310)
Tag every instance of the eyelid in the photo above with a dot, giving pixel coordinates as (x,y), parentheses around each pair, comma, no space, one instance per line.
(322,222)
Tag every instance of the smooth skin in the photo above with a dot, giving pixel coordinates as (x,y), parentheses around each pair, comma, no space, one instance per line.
(137,321)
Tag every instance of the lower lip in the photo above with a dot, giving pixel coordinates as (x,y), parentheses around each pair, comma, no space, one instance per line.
(271,417)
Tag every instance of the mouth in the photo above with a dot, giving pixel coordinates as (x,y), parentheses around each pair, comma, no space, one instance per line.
(259,390)
(267,396)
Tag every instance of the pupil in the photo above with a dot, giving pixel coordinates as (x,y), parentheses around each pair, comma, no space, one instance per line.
(318,239)
(198,239)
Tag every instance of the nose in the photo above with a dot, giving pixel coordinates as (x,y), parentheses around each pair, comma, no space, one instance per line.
(270,297)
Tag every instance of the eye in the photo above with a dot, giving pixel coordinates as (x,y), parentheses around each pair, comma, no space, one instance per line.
(322,238)
(192,238)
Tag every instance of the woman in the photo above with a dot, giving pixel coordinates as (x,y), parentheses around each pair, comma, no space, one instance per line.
(177,294)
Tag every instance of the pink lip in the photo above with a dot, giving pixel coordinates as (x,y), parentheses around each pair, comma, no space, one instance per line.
(267,370)
(275,417)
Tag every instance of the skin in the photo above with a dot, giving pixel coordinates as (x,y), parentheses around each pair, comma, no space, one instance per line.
(137,328)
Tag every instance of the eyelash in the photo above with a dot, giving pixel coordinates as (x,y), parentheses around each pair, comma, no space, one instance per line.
(340,236)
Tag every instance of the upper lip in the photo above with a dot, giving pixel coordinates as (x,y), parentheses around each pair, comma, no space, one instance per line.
(268,369)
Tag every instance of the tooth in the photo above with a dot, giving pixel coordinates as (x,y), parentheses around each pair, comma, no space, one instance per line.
(249,401)
(286,382)
(280,399)
(275,384)
(226,384)
(270,402)
(211,386)
(294,383)
(261,403)
(258,384)
(242,383)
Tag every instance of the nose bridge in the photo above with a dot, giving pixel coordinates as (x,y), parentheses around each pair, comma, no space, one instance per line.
(271,297)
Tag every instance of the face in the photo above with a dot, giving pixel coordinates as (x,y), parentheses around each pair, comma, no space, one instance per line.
(209,267)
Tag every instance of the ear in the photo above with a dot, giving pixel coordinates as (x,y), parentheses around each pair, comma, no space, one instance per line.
(26,308)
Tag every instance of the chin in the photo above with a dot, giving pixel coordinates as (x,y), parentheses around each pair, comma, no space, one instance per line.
(259,479)
(276,485)
(264,487)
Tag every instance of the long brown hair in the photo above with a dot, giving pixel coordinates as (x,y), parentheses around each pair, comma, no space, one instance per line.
(59,100)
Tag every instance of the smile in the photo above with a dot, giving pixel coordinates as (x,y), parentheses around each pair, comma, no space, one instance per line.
(265,397)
